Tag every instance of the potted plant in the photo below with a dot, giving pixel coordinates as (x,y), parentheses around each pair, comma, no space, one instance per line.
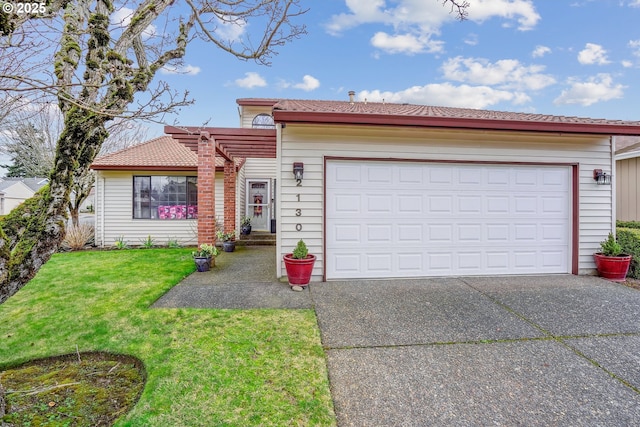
(245,226)
(204,257)
(299,265)
(611,263)
(228,240)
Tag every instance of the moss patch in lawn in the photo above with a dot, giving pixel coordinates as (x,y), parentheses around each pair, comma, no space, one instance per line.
(74,390)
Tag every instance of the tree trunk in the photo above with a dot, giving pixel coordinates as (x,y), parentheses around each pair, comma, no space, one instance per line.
(75,216)
(33,231)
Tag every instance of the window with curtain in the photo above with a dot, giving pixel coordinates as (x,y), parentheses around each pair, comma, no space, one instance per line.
(165,197)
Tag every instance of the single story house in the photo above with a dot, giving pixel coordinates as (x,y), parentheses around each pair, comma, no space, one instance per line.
(396,190)
(14,191)
(628,178)
(151,189)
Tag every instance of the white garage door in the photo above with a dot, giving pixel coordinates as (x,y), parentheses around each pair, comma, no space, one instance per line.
(410,219)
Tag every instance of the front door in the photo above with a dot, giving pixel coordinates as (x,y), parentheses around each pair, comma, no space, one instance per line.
(258,203)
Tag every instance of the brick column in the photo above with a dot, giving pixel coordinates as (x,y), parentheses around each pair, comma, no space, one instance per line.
(229,196)
(206,190)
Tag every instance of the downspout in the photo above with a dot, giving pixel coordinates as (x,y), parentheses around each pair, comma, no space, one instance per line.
(278,196)
(102,212)
(613,185)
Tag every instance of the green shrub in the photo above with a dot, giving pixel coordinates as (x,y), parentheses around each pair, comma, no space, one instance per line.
(300,252)
(629,239)
(610,247)
(628,224)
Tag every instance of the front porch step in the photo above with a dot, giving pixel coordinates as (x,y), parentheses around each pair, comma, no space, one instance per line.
(257,238)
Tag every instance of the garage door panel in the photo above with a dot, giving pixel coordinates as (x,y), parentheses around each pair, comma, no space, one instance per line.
(345,203)
(427,219)
(470,176)
(345,175)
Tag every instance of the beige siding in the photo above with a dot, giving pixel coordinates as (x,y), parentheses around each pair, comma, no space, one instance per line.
(309,144)
(114,212)
(241,195)
(627,189)
(260,168)
(248,112)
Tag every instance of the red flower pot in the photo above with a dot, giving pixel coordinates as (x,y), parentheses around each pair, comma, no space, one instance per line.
(612,267)
(299,270)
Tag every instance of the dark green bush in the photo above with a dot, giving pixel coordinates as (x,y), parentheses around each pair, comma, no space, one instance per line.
(628,224)
(629,239)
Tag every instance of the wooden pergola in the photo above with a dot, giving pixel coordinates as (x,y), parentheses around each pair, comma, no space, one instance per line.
(231,144)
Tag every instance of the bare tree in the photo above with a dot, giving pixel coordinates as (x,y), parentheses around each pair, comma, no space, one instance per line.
(103,59)
(29,138)
(460,8)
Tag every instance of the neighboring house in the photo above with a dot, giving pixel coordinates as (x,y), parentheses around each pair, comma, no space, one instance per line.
(627,177)
(14,191)
(398,190)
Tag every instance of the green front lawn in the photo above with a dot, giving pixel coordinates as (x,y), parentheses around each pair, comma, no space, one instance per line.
(204,367)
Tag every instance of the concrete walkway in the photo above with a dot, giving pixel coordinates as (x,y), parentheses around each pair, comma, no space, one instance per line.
(532,351)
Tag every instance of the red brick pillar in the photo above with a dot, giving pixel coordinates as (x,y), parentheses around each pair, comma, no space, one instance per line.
(229,196)
(206,190)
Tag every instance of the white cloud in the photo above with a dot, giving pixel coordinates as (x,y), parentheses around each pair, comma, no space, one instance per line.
(634,3)
(447,95)
(595,89)
(189,70)
(505,73)
(308,83)
(540,51)
(471,40)
(522,11)
(122,18)
(251,80)
(405,43)
(593,54)
(627,64)
(635,46)
(230,31)
(415,22)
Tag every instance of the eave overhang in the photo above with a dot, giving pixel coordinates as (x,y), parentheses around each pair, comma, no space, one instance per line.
(333,118)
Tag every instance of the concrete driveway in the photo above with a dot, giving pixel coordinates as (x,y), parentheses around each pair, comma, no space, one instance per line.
(531,351)
(496,351)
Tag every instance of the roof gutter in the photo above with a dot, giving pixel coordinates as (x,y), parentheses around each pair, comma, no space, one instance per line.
(329,118)
(145,168)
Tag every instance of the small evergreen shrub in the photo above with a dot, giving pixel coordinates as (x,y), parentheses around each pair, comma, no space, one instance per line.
(300,252)
(611,247)
(629,240)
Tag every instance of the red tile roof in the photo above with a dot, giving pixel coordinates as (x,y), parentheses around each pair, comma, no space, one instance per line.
(379,113)
(163,153)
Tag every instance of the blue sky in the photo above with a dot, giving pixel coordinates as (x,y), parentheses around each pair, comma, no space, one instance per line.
(572,58)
